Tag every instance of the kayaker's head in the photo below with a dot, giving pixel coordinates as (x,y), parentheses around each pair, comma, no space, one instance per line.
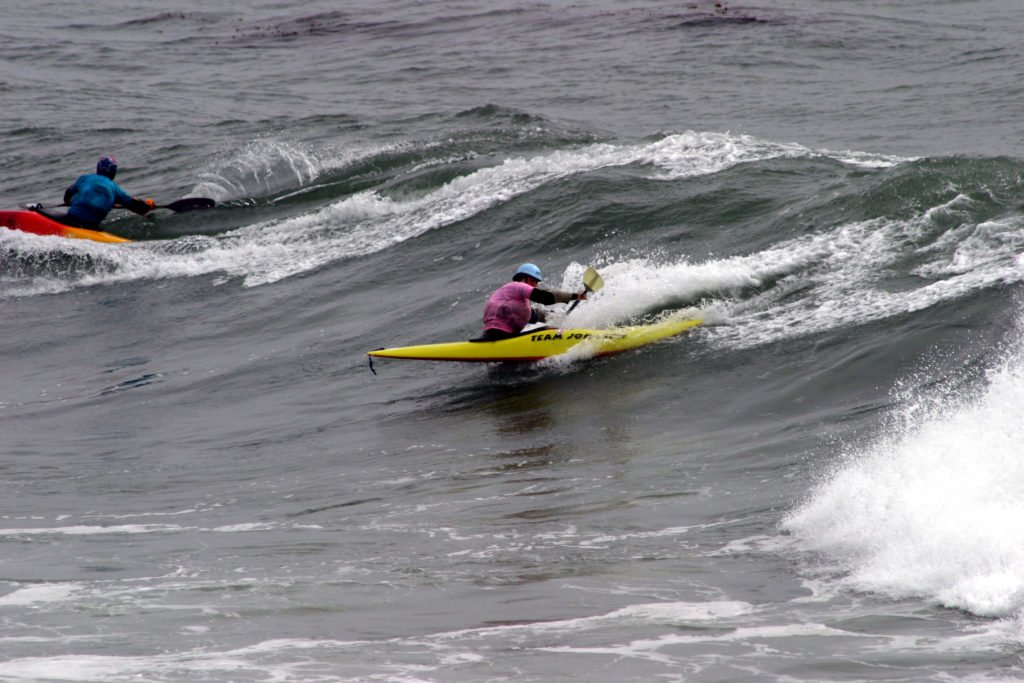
(107,167)
(528,270)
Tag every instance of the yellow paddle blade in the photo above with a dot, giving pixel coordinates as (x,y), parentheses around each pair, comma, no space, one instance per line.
(592,280)
(591,283)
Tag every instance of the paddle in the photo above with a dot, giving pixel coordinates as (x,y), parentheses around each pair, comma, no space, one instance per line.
(186,204)
(591,283)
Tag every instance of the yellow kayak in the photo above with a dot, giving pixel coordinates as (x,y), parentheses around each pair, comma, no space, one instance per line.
(544,343)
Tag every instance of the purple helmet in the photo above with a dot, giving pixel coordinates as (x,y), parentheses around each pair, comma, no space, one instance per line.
(107,166)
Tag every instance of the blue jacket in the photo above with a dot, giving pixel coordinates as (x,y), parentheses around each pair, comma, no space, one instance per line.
(92,197)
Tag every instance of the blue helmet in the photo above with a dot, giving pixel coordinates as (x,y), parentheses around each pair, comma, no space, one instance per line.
(529,269)
(107,166)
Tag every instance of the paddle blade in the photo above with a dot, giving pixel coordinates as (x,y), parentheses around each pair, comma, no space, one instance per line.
(190,204)
(592,280)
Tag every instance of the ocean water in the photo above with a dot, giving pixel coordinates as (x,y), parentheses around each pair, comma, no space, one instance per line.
(203,480)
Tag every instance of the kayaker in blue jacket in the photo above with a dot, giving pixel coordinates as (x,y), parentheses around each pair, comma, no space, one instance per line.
(93,195)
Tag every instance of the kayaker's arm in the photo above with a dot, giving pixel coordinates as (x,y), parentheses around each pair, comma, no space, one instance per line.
(140,206)
(554,296)
(70,192)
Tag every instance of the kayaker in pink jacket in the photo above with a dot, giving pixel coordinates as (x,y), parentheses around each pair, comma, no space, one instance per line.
(511,308)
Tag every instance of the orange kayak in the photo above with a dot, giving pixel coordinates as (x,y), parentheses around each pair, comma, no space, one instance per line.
(38,224)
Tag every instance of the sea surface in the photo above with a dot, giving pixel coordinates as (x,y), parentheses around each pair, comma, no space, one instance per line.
(202,479)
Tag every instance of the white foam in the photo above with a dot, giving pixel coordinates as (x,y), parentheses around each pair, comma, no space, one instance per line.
(262,167)
(680,612)
(936,508)
(673,613)
(637,286)
(281,659)
(95,530)
(814,283)
(692,154)
(42,593)
(89,530)
(368,222)
(648,648)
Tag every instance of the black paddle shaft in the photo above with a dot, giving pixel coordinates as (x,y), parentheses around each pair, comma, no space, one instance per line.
(189,204)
